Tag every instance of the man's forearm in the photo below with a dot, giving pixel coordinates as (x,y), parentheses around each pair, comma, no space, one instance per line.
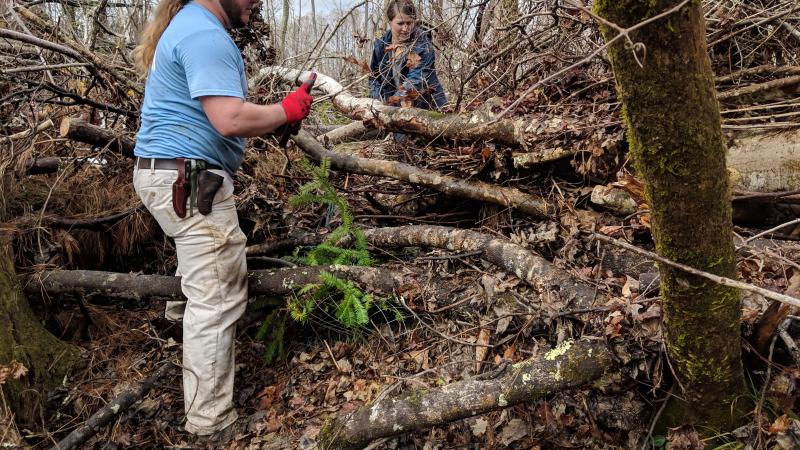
(253,120)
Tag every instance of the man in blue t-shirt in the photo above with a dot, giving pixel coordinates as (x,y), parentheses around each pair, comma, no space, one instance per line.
(191,142)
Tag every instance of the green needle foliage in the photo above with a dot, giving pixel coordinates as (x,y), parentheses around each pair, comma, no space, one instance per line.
(320,191)
(349,304)
(271,332)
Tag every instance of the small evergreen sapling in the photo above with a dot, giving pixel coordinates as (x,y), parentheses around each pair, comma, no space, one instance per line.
(352,310)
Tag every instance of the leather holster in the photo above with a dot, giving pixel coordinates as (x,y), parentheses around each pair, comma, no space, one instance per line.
(180,189)
(208,183)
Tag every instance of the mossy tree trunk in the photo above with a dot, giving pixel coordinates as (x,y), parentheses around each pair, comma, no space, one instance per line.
(24,339)
(676,141)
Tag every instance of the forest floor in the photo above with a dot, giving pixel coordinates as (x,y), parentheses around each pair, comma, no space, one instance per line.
(434,337)
(461,316)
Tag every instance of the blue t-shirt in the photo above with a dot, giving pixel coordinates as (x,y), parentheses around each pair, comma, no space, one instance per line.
(194,57)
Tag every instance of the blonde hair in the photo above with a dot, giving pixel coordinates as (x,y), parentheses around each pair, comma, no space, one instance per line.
(144,52)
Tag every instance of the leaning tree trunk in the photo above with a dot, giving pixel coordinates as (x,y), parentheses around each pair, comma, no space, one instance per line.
(24,339)
(676,140)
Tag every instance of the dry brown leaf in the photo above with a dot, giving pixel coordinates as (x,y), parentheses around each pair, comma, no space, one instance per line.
(631,287)
(509,352)
(362,66)
(273,423)
(684,438)
(349,407)
(480,352)
(413,60)
(343,365)
(653,312)
(514,431)
(479,427)
(420,357)
(632,186)
(613,326)
(645,220)
(297,401)
(395,100)
(15,370)
(780,425)
(359,385)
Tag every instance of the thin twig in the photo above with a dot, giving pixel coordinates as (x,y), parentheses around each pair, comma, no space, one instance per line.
(760,404)
(772,230)
(709,276)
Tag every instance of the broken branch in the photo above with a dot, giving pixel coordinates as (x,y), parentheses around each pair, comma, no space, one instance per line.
(475,190)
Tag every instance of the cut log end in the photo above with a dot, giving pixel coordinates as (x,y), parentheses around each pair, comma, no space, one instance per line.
(63,129)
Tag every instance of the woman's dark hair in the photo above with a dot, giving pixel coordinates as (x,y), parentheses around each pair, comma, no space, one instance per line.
(402,7)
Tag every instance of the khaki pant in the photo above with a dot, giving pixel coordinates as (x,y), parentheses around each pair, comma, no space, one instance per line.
(213,267)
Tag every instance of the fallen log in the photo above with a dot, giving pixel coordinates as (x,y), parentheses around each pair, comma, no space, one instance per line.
(82,131)
(547,280)
(765,162)
(749,209)
(38,166)
(475,190)
(762,92)
(569,365)
(430,124)
(33,40)
(107,413)
(260,282)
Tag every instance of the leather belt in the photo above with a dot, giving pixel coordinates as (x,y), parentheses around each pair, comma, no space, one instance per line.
(166,164)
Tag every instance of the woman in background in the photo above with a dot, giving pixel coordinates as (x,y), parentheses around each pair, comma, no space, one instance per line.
(402,66)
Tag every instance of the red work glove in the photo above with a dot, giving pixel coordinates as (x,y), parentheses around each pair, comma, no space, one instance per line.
(297,105)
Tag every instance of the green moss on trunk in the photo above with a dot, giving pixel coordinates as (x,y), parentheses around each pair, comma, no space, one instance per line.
(676,140)
(24,339)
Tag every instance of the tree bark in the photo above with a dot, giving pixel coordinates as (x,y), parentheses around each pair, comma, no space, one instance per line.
(570,365)
(676,140)
(261,282)
(284,28)
(24,339)
(475,190)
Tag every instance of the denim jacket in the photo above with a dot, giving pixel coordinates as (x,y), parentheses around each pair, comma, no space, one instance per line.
(422,77)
